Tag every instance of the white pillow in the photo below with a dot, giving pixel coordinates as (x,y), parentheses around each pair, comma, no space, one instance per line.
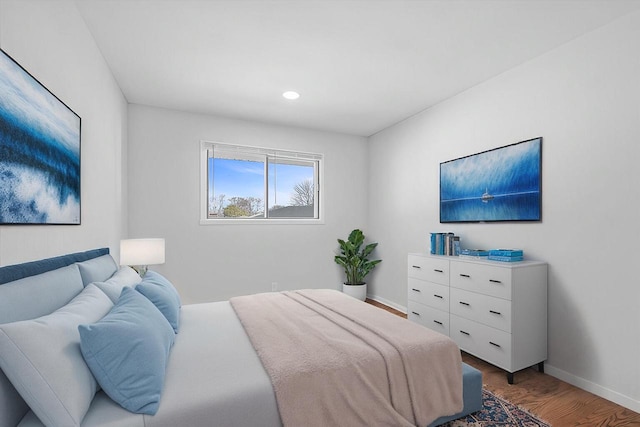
(97,269)
(125,276)
(43,361)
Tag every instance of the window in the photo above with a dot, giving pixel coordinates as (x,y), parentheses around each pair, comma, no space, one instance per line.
(250,183)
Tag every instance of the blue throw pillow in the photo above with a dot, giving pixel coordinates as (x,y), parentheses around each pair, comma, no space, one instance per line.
(163,295)
(127,352)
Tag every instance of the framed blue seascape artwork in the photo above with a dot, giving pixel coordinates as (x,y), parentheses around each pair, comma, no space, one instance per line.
(39,151)
(503,184)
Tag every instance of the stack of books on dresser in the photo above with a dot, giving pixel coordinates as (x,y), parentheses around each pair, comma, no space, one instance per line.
(445,244)
(506,255)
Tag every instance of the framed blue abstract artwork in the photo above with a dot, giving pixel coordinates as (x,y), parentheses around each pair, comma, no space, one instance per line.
(39,151)
(503,184)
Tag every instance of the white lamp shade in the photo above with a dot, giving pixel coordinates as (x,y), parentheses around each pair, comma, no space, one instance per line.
(141,251)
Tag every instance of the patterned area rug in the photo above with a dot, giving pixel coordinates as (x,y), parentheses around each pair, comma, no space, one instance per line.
(499,413)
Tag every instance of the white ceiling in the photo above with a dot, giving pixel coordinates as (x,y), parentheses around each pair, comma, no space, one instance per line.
(359,65)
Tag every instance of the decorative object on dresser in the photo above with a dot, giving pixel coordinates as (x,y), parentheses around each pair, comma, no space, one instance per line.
(506,255)
(495,311)
(445,244)
(356,263)
(474,253)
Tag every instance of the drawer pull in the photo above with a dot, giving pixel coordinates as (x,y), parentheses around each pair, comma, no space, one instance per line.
(417,290)
(465,332)
(438,271)
(465,275)
(495,312)
(465,303)
(437,296)
(495,345)
(416,266)
(417,314)
(439,323)
(494,281)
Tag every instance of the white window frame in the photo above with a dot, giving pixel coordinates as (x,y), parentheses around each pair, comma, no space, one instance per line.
(248,150)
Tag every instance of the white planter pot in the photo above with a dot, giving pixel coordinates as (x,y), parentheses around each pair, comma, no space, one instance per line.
(356,291)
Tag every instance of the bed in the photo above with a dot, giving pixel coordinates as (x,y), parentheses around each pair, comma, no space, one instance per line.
(213,376)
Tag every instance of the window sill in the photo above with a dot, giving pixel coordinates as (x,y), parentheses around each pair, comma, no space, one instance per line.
(265,221)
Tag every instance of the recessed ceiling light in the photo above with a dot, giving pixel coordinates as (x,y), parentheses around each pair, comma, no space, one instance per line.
(291,95)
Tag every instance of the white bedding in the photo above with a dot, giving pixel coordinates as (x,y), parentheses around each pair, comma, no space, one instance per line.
(214,379)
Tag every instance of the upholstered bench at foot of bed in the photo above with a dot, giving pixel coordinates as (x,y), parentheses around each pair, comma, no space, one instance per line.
(471,394)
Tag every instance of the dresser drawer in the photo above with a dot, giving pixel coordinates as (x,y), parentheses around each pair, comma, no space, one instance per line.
(491,311)
(427,293)
(482,278)
(430,269)
(482,341)
(430,317)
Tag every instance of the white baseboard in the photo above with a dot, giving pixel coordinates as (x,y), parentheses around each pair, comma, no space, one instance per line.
(391,304)
(594,388)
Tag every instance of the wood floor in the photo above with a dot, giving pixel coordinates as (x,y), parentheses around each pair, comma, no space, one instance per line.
(558,403)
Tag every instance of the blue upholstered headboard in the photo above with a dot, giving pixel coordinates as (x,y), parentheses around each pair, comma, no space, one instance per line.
(19,271)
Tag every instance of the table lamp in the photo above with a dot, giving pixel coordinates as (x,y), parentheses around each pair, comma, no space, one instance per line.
(140,253)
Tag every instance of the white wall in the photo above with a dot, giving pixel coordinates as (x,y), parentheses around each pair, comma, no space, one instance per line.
(584,100)
(215,262)
(51,41)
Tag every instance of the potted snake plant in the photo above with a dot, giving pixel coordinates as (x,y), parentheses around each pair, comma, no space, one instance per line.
(354,258)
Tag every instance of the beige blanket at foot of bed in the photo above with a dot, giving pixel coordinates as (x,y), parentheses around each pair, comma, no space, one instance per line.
(336,361)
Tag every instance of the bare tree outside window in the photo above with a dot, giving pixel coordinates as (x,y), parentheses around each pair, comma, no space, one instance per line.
(216,205)
(303,193)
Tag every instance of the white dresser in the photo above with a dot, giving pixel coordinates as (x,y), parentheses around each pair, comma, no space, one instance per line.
(496,311)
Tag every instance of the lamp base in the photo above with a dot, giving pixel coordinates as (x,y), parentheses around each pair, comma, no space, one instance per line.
(140,269)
